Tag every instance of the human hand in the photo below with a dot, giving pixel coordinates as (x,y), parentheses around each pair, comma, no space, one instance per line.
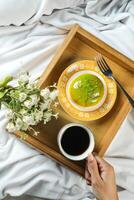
(100,175)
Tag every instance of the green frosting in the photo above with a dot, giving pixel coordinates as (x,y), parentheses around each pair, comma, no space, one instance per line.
(86,90)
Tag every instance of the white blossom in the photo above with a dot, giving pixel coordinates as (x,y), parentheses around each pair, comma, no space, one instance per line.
(28,104)
(35,104)
(9,114)
(11,127)
(29,120)
(3,107)
(23,111)
(34,99)
(45,93)
(47,120)
(53,95)
(47,116)
(45,105)
(24,78)
(56,115)
(30,86)
(24,126)
(18,123)
(22,97)
(56,104)
(38,116)
(36,133)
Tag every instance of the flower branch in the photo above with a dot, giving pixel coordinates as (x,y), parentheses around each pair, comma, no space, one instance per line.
(27,104)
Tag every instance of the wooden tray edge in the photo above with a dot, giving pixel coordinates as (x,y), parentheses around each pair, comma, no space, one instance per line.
(58,54)
(117,57)
(49,152)
(108,140)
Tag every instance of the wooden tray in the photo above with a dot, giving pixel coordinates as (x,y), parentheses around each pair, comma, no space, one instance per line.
(78,45)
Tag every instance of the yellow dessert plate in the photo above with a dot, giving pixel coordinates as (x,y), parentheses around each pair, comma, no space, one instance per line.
(72,110)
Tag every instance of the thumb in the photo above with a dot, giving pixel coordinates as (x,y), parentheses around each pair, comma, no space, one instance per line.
(93,168)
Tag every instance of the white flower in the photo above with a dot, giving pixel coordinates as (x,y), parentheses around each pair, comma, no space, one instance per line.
(38,116)
(36,133)
(53,94)
(28,104)
(23,111)
(24,126)
(18,123)
(45,93)
(56,104)
(30,86)
(24,78)
(35,106)
(34,99)
(56,115)
(9,114)
(29,120)
(3,107)
(45,105)
(11,127)
(47,120)
(47,116)
(22,97)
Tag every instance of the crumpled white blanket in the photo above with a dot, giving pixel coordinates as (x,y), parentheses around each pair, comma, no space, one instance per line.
(31,47)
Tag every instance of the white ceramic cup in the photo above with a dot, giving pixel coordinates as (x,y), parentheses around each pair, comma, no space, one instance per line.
(86,152)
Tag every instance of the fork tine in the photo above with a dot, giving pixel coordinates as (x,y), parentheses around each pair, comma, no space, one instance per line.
(105,63)
(97,60)
(100,64)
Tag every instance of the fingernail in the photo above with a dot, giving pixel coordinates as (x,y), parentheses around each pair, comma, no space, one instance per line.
(90,158)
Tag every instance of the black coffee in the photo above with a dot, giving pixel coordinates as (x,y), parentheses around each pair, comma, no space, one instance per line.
(75,140)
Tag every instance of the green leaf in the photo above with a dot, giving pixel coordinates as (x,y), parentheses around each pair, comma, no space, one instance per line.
(17,106)
(16,94)
(5,81)
(2,94)
(35,91)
